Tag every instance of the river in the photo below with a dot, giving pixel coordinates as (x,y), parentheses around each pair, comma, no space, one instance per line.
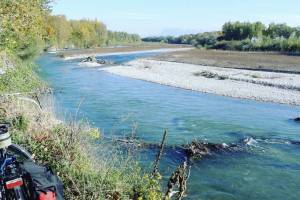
(270,170)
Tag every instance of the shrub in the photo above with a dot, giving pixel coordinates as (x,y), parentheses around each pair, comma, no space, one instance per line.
(21,78)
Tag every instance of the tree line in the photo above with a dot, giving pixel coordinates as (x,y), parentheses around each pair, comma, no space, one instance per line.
(242,36)
(63,33)
(27,26)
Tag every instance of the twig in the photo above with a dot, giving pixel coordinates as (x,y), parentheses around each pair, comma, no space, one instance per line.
(38,100)
(78,107)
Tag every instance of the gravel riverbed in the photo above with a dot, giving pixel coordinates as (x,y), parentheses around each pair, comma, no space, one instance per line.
(256,85)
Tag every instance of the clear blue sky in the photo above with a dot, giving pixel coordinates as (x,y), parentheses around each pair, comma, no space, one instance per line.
(167,17)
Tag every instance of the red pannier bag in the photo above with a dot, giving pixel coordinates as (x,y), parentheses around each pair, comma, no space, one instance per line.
(47,196)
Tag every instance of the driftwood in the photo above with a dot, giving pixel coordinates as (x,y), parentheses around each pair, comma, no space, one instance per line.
(158,157)
(195,150)
(179,178)
(199,149)
(130,141)
(177,184)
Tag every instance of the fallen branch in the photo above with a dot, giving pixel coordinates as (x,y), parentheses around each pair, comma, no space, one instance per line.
(179,178)
(158,157)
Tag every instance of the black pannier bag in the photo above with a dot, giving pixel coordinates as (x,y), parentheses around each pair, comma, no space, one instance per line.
(42,182)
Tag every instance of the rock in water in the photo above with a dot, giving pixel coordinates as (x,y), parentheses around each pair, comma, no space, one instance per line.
(89,59)
(297,119)
(102,62)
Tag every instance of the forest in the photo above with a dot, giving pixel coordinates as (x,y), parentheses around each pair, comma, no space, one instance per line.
(242,36)
(27,27)
(63,33)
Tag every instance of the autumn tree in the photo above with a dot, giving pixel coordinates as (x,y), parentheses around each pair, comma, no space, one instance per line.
(22,25)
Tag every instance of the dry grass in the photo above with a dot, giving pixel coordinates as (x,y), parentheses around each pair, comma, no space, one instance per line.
(233,59)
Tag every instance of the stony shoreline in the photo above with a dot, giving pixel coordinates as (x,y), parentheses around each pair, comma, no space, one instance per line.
(256,85)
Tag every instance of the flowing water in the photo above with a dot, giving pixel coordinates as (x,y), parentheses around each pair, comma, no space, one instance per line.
(270,170)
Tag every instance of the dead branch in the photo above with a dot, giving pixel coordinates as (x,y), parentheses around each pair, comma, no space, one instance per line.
(179,178)
(158,157)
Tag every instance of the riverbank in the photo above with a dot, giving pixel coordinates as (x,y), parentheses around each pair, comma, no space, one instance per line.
(256,85)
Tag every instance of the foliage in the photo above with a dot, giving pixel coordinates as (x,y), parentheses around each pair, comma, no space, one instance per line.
(27,26)
(241,31)
(22,25)
(279,30)
(63,33)
(121,38)
(87,33)
(242,36)
(21,79)
(58,30)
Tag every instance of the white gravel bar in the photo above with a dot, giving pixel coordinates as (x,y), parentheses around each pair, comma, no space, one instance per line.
(256,85)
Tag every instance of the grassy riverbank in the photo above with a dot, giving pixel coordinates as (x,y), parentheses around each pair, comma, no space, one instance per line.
(69,148)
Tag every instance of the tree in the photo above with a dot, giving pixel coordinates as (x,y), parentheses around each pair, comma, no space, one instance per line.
(279,30)
(22,25)
(62,31)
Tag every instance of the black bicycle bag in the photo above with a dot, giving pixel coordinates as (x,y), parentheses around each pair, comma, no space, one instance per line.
(41,181)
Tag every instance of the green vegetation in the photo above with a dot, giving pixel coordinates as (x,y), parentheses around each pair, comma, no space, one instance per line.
(22,26)
(244,36)
(26,27)
(63,33)
(21,78)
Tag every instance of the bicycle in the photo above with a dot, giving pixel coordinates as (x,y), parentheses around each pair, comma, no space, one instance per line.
(12,183)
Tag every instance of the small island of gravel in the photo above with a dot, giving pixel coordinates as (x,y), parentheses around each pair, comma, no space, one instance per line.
(239,83)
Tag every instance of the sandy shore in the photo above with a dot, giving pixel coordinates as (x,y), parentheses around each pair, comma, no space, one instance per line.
(160,50)
(257,85)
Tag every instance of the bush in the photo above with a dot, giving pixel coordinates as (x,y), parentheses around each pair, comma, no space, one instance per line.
(228,45)
(291,45)
(20,78)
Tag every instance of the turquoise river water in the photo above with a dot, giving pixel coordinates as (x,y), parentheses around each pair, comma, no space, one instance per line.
(270,170)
